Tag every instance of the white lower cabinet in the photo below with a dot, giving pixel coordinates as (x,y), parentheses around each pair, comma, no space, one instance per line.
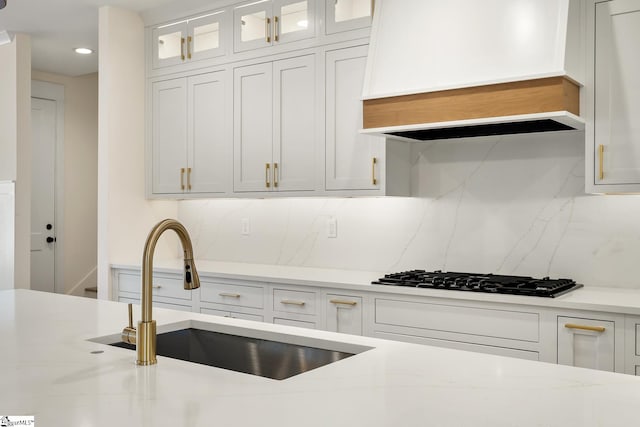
(344,313)
(595,340)
(167,290)
(295,307)
(231,298)
(232,314)
(632,345)
(586,343)
(483,328)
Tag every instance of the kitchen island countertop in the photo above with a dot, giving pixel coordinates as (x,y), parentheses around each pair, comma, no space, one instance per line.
(50,370)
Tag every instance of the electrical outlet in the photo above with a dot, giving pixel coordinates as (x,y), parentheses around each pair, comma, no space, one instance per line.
(245,227)
(332,227)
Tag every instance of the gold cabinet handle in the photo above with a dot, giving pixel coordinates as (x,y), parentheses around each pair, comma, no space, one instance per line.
(267,183)
(182,178)
(292,302)
(275,175)
(585,327)
(601,162)
(189,179)
(230,295)
(374,161)
(189,39)
(276,29)
(182,48)
(267,30)
(343,302)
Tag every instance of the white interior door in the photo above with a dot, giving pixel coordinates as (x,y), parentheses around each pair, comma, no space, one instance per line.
(43,227)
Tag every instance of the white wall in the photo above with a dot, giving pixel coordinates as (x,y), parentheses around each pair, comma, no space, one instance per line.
(15,145)
(7,233)
(124,216)
(509,205)
(80,178)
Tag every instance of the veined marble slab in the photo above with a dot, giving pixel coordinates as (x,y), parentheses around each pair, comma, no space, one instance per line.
(50,370)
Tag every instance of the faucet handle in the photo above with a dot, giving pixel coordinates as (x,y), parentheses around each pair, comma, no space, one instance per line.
(129,333)
(130,306)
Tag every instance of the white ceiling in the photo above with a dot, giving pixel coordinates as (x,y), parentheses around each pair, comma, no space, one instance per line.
(58,26)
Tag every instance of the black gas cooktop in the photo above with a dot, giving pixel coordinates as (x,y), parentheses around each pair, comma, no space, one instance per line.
(472,282)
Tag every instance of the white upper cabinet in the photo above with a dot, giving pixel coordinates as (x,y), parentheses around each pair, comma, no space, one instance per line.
(353,159)
(275,126)
(169,136)
(191,135)
(613,141)
(268,23)
(344,15)
(189,40)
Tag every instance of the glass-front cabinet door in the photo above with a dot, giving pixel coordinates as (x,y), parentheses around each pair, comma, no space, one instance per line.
(268,23)
(345,15)
(169,44)
(189,40)
(206,36)
(293,20)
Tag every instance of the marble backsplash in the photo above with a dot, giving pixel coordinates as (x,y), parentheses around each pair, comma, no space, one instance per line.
(507,205)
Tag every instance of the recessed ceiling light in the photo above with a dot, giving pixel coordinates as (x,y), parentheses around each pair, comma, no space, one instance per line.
(83,50)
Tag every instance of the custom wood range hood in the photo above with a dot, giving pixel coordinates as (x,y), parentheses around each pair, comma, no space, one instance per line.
(464,68)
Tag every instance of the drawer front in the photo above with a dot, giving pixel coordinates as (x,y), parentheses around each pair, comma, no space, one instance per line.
(129,283)
(289,301)
(231,314)
(479,348)
(231,294)
(163,286)
(291,322)
(157,304)
(513,325)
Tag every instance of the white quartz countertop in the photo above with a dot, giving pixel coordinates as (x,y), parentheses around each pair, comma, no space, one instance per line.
(594,298)
(48,369)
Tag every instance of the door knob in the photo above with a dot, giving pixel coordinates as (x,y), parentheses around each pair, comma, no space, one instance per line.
(51,239)
(49,226)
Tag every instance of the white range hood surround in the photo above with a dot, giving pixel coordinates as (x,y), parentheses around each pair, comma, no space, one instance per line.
(462,63)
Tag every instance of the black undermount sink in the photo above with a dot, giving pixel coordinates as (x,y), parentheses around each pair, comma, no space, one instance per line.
(256,356)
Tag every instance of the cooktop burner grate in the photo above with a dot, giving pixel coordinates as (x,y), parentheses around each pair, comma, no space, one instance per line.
(489,283)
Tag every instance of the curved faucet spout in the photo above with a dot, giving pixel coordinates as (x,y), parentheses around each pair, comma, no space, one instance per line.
(146,333)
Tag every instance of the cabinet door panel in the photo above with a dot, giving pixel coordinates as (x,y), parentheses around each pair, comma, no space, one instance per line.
(252,26)
(294,123)
(293,20)
(344,314)
(209,135)
(585,348)
(349,163)
(344,15)
(617,92)
(207,36)
(169,45)
(293,322)
(169,135)
(253,130)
